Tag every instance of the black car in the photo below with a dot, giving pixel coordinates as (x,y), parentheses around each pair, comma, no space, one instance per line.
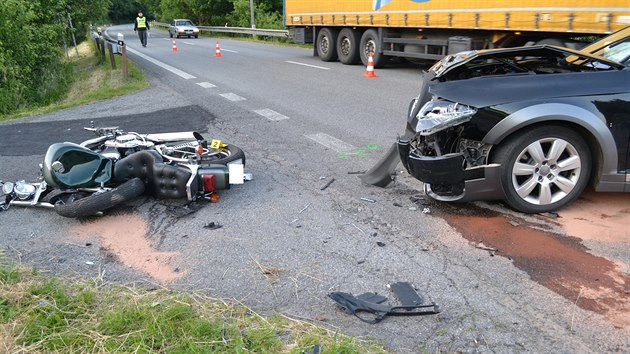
(531,125)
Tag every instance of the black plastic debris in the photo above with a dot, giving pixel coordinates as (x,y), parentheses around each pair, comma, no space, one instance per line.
(212,225)
(372,307)
(380,244)
(327,184)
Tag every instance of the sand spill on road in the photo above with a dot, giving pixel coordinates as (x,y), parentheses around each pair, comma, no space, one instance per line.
(603,217)
(124,235)
(560,263)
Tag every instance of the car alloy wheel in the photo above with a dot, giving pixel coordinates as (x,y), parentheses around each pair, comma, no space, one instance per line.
(544,169)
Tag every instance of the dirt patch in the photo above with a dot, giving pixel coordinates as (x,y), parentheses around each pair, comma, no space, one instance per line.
(560,263)
(124,235)
(603,217)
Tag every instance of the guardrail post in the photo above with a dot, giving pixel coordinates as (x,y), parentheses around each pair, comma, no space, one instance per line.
(112,60)
(124,63)
(101,49)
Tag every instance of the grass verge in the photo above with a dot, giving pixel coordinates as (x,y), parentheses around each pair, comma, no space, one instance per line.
(48,314)
(91,81)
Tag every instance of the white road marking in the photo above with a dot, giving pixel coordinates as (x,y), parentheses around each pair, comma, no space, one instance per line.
(232,97)
(188,43)
(330,142)
(309,65)
(271,114)
(206,84)
(165,66)
(227,50)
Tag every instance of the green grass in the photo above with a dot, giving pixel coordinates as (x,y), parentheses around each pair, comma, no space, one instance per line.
(48,314)
(91,81)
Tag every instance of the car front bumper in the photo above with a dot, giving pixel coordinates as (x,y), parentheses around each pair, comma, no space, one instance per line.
(440,173)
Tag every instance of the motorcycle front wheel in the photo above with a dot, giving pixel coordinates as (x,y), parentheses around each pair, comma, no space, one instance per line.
(96,202)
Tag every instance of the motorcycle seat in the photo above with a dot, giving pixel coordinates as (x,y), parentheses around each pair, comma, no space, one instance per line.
(161,179)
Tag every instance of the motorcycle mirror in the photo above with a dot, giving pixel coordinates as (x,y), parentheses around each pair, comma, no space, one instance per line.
(7,188)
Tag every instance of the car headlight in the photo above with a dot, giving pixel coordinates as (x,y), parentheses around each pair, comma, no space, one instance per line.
(195,30)
(438,115)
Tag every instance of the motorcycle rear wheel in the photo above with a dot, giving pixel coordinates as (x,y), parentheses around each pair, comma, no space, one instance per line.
(96,202)
(222,155)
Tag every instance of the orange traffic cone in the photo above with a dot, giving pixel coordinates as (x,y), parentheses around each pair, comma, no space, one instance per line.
(369,72)
(217,50)
(174,46)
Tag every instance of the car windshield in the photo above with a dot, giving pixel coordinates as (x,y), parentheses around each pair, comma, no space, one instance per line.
(620,52)
(184,23)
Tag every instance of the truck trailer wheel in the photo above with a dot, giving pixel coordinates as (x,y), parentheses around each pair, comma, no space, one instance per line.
(348,46)
(327,44)
(369,43)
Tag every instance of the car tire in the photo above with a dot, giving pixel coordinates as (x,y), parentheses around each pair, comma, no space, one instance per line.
(348,46)
(369,43)
(327,44)
(544,168)
(196,36)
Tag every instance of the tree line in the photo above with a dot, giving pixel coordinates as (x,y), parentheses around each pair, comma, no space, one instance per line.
(35,33)
(233,13)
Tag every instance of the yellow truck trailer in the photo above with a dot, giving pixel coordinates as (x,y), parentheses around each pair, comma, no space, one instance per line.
(429,29)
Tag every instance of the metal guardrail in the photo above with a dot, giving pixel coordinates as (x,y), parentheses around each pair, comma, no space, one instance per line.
(237,30)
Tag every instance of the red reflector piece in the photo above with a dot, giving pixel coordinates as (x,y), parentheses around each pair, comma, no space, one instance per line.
(208,183)
(200,150)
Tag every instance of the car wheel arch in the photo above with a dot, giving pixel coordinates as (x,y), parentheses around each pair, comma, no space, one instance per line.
(590,126)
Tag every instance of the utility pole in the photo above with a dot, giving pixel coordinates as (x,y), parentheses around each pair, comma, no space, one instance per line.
(251,11)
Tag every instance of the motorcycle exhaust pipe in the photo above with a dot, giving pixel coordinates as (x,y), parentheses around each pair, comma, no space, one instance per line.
(30,204)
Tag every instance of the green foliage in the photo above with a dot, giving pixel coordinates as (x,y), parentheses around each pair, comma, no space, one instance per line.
(32,70)
(234,13)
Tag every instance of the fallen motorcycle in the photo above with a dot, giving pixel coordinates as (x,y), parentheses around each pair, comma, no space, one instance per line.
(83,179)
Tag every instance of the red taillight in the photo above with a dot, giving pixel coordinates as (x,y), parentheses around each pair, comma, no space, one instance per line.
(208,183)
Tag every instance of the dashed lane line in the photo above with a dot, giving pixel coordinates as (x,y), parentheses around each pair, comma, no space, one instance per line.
(228,50)
(271,114)
(206,85)
(165,66)
(304,64)
(330,142)
(232,97)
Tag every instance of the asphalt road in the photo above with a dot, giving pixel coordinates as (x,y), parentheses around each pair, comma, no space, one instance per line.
(286,243)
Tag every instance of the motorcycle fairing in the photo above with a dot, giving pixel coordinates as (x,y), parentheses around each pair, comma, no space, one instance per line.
(80,167)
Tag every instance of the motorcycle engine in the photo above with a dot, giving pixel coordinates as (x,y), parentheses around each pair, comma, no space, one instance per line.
(124,145)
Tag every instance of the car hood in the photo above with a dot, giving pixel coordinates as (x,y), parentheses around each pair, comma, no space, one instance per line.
(493,90)
(453,61)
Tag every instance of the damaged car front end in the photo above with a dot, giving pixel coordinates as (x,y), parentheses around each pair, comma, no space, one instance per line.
(443,159)
(530,125)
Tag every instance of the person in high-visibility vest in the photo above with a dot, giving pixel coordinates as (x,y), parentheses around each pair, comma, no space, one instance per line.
(141,26)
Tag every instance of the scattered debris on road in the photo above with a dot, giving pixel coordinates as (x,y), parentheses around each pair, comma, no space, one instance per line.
(372,308)
(368,200)
(212,225)
(491,250)
(356,172)
(426,211)
(303,209)
(398,205)
(380,244)
(413,208)
(327,184)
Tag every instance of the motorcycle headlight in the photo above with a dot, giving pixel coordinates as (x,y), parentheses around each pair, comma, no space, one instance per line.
(438,115)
